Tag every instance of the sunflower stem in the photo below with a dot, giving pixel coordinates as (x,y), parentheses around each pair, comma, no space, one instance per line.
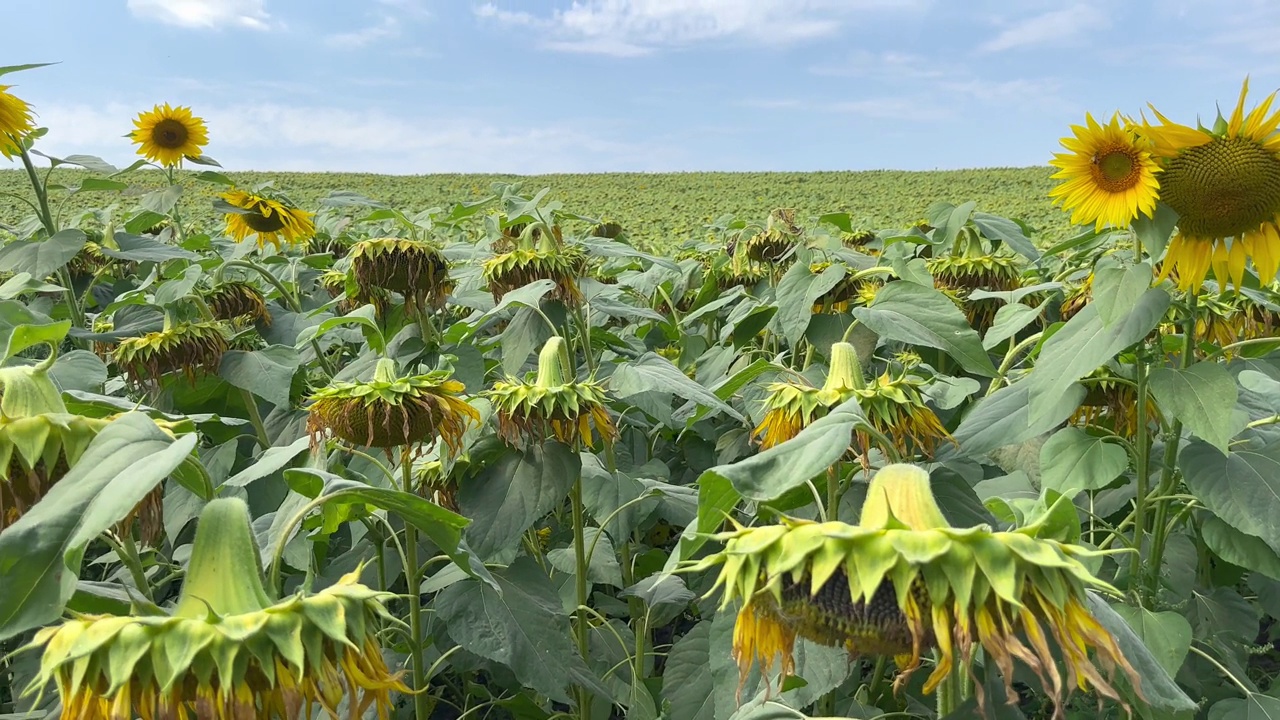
(174,212)
(127,551)
(580,585)
(1142,452)
(50,227)
(421,700)
(255,418)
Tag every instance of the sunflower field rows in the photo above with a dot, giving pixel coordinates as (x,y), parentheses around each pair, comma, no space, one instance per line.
(798,446)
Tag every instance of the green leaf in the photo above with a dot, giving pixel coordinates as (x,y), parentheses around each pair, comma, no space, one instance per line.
(271,461)
(79,370)
(1116,288)
(525,333)
(443,527)
(1009,321)
(22,283)
(716,499)
(19,68)
(1242,487)
(1248,551)
(1253,707)
(920,315)
(797,291)
(1083,345)
(507,497)
(42,258)
(41,553)
(520,624)
(1166,634)
(687,685)
(661,590)
(1203,397)
(652,372)
(1154,231)
(161,201)
(1159,690)
(604,494)
(137,248)
(101,184)
(267,373)
(602,565)
(1072,461)
(21,328)
(180,286)
(1006,231)
(1003,418)
(144,219)
(365,317)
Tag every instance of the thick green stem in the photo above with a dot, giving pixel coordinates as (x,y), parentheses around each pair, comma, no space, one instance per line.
(581,625)
(421,700)
(1142,452)
(127,551)
(255,418)
(51,229)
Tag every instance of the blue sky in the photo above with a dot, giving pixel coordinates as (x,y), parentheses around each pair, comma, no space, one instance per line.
(421,86)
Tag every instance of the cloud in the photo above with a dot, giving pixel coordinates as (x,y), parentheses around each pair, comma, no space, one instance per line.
(322,138)
(1052,28)
(626,28)
(203,13)
(883,65)
(385,29)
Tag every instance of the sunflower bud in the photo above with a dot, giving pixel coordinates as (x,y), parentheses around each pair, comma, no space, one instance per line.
(392,410)
(904,580)
(553,406)
(226,650)
(188,348)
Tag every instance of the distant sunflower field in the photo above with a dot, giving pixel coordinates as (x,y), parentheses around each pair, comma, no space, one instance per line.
(986,444)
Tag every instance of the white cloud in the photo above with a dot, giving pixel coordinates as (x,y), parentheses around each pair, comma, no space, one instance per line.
(319,138)
(385,29)
(1055,27)
(884,65)
(204,13)
(634,27)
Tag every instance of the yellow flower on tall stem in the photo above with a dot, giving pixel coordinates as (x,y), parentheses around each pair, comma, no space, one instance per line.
(15,121)
(1108,174)
(167,134)
(1224,183)
(269,216)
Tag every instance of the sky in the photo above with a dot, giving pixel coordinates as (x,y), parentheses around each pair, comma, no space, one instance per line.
(544,86)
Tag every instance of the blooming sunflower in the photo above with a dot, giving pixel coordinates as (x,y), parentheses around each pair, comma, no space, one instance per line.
(1108,176)
(1224,183)
(167,134)
(270,216)
(226,650)
(903,579)
(15,121)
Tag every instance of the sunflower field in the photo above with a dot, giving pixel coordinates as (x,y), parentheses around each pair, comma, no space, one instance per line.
(499,459)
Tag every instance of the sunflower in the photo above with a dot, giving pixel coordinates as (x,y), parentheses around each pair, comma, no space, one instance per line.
(1108,177)
(15,121)
(227,650)
(188,348)
(1224,183)
(903,580)
(553,406)
(270,216)
(167,134)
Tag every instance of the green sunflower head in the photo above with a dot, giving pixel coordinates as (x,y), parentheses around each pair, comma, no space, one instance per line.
(904,580)
(393,410)
(226,650)
(553,406)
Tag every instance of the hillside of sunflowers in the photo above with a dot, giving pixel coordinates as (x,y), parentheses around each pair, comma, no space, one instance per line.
(990,444)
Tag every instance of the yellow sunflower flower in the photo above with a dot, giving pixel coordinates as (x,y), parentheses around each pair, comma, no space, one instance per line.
(15,121)
(271,218)
(1108,176)
(1224,184)
(167,134)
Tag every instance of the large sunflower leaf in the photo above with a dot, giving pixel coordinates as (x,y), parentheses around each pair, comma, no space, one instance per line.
(1158,689)
(42,258)
(1072,460)
(1083,345)
(920,315)
(686,682)
(41,553)
(520,624)
(1241,487)
(507,497)
(1203,397)
(1004,418)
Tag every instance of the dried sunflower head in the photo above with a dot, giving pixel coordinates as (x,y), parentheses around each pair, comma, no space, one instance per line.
(189,348)
(393,410)
(226,650)
(519,267)
(414,268)
(237,300)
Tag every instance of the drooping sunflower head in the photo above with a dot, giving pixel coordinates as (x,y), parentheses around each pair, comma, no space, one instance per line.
(238,300)
(1112,402)
(15,121)
(790,407)
(903,580)
(189,348)
(855,289)
(1224,183)
(413,268)
(896,410)
(227,650)
(859,240)
(1226,318)
(519,267)
(608,229)
(393,410)
(554,406)
(270,216)
(958,275)
(167,134)
(1108,175)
